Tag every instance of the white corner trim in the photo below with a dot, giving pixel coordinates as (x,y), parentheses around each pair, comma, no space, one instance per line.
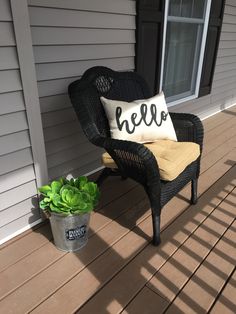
(24,47)
(218,111)
(12,235)
(94,171)
(69,176)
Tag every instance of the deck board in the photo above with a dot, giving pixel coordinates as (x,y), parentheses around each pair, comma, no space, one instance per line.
(124,245)
(119,270)
(172,277)
(199,293)
(135,275)
(226,303)
(17,250)
(147,302)
(53,255)
(216,121)
(14,250)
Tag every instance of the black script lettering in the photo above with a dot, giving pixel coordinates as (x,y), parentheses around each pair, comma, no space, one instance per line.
(164,116)
(133,117)
(125,122)
(143,113)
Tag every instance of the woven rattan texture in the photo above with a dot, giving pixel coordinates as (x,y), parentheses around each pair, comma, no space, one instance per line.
(133,159)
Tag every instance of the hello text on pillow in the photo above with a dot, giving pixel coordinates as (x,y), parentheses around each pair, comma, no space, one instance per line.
(142,121)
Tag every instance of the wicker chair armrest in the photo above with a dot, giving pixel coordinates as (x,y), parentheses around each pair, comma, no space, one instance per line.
(188,127)
(92,133)
(134,160)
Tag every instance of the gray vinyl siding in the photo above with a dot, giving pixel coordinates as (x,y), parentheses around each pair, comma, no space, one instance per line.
(17,177)
(223,92)
(68,38)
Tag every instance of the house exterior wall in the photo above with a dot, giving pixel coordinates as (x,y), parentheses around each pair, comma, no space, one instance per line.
(223,92)
(17,174)
(68,38)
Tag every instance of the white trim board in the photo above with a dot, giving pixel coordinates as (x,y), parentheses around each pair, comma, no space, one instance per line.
(30,90)
(18,232)
(218,111)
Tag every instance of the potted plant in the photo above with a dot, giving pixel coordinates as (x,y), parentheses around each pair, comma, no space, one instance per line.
(68,204)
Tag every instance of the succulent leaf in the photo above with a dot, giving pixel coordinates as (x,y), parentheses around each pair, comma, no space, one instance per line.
(74,196)
(56,186)
(45,189)
(43,205)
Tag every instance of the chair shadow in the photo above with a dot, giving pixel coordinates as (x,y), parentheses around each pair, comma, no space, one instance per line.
(121,265)
(110,289)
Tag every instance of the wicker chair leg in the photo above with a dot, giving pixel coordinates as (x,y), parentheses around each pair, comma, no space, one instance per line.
(156,228)
(194,197)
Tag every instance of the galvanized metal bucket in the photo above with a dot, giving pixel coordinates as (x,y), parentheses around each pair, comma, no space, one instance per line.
(70,233)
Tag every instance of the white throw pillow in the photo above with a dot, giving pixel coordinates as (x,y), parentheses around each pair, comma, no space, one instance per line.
(142,121)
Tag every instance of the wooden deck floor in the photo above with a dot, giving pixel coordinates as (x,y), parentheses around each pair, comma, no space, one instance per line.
(119,271)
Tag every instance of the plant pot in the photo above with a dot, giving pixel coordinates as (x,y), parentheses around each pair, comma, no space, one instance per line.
(70,233)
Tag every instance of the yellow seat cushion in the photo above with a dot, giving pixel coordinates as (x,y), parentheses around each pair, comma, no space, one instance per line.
(172,157)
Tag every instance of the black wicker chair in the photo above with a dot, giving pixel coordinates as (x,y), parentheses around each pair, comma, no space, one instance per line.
(134,160)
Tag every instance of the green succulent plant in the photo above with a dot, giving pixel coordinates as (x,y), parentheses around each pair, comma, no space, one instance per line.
(74,196)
